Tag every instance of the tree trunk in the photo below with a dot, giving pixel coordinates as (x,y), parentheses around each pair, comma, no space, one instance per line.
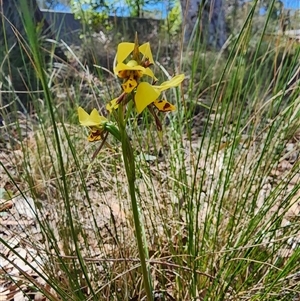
(211,25)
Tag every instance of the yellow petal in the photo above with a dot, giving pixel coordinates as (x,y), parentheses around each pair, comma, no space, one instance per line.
(124,50)
(93,119)
(129,85)
(164,106)
(137,68)
(120,68)
(145,94)
(82,114)
(112,105)
(173,82)
(146,51)
(149,72)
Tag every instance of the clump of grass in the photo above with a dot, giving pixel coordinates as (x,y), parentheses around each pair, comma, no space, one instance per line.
(219,203)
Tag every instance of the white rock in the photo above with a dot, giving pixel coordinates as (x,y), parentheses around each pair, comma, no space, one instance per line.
(38,296)
(290,146)
(25,206)
(21,252)
(4,264)
(13,242)
(19,296)
(21,264)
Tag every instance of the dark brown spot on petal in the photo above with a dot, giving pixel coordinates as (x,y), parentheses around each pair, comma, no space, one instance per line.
(95,135)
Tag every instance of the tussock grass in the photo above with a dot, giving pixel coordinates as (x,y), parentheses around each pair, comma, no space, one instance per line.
(218,195)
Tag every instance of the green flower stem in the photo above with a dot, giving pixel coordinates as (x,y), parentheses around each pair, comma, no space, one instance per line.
(111,128)
(129,162)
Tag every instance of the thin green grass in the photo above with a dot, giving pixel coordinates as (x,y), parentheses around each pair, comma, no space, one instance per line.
(219,202)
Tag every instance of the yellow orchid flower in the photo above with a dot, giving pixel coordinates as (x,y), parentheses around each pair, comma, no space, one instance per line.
(134,68)
(125,49)
(147,94)
(132,71)
(94,121)
(124,70)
